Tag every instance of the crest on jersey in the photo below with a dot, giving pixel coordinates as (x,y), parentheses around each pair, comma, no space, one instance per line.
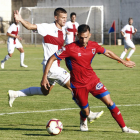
(93,51)
(65,72)
(99,86)
(59,52)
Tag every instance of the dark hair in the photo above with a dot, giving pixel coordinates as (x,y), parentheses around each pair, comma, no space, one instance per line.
(83,28)
(72,14)
(58,11)
(130,19)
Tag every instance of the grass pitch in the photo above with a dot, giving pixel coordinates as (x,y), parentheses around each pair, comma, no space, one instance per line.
(123,84)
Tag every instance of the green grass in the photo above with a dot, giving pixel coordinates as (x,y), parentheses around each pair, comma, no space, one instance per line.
(123,84)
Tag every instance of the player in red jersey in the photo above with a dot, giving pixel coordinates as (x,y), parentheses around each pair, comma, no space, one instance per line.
(79,56)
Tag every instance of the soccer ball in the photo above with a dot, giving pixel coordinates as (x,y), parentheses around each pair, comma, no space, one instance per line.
(54,126)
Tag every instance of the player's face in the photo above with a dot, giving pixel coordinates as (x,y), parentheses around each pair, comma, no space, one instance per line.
(73,18)
(61,19)
(84,38)
(16,22)
(130,21)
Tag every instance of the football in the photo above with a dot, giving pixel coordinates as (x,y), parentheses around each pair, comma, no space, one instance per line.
(54,126)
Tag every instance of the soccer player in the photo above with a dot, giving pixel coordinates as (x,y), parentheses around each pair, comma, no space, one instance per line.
(78,56)
(71,29)
(53,39)
(13,43)
(127,32)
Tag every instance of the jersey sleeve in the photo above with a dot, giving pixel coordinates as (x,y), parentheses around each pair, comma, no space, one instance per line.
(77,25)
(10,29)
(100,49)
(133,31)
(123,29)
(62,53)
(43,29)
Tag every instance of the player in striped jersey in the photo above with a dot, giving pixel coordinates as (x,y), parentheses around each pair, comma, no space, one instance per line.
(12,43)
(71,29)
(127,32)
(53,39)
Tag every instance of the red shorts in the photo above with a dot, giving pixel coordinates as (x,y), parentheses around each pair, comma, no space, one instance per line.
(80,95)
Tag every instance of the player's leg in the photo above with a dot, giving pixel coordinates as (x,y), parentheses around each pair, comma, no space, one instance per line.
(10,49)
(29,91)
(116,114)
(80,96)
(22,57)
(101,92)
(125,50)
(133,48)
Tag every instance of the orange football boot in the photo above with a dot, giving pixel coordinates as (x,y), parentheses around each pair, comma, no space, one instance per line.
(127,59)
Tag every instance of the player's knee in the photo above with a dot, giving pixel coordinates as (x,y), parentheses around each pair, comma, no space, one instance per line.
(21,50)
(44,91)
(134,48)
(110,103)
(86,111)
(10,54)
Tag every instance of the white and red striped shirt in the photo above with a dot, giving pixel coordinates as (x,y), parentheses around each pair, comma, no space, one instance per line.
(72,29)
(128,30)
(53,40)
(13,29)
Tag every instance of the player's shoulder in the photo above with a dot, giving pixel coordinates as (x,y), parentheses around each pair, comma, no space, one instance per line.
(77,23)
(72,45)
(92,42)
(45,24)
(13,25)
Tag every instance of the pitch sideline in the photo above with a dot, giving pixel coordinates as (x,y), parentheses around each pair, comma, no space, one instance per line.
(1,114)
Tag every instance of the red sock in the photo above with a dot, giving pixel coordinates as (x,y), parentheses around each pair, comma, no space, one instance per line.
(117,115)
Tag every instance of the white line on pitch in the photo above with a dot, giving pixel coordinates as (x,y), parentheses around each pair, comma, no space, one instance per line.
(1,114)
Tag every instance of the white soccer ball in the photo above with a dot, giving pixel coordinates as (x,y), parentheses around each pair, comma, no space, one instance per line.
(54,127)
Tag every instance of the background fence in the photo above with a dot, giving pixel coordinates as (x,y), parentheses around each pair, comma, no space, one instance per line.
(35,38)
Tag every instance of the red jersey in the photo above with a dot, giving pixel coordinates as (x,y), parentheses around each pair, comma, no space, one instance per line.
(78,60)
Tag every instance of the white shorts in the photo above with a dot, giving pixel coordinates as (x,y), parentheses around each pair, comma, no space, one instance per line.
(11,46)
(128,44)
(57,75)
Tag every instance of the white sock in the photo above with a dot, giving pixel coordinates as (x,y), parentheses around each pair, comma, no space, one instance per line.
(6,58)
(130,53)
(123,55)
(21,58)
(30,91)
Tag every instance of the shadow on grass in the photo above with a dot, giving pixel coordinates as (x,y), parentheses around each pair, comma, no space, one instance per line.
(38,135)
(22,129)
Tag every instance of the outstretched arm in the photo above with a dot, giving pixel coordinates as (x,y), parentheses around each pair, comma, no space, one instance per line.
(26,24)
(111,55)
(45,82)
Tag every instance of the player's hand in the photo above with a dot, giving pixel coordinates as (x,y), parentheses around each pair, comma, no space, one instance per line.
(125,38)
(45,83)
(129,64)
(17,16)
(19,37)
(135,30)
